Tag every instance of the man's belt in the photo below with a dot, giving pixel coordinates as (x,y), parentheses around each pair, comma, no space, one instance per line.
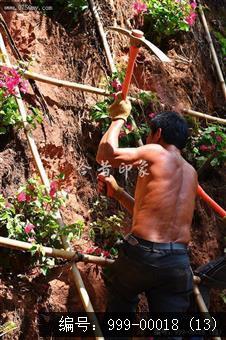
(136,241)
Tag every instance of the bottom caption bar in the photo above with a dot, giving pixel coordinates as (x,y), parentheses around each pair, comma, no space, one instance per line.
(126,325)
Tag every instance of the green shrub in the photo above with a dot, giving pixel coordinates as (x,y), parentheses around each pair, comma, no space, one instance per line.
(222,41)
(31,215)
(206,142)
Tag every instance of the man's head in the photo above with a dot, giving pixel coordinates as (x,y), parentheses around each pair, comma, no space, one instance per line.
(170,128)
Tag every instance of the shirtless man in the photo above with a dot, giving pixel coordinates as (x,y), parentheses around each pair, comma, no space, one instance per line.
(153,258)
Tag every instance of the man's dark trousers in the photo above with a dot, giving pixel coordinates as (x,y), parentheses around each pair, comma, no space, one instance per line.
(161,270)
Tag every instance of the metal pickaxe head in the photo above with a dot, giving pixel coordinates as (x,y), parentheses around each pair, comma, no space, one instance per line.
(137,39)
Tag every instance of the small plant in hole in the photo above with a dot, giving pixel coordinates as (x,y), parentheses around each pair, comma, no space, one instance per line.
(222,41)
(129,134)
(106,229)
(164,17)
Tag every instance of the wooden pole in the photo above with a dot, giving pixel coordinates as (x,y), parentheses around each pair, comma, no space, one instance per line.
(76,275)
(59,82)
(204,116)
(214,55)
(202,306)
(57,253)
(103,37)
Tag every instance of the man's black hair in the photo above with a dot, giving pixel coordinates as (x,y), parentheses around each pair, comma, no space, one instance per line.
(174,128)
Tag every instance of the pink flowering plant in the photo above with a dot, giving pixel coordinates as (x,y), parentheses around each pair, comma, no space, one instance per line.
(209,142)
(139,8)
(31,215)
(167,17)
(10,79)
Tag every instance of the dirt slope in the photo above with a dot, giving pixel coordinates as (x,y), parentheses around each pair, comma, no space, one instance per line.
(75,53)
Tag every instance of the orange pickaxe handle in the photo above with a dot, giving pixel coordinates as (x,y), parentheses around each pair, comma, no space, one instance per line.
(201,193)
(133,51)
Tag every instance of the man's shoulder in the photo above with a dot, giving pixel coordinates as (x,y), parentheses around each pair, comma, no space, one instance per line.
(151,152)
(156,148)
(190,168)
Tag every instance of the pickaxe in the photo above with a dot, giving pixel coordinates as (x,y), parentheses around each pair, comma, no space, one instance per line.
(137,39)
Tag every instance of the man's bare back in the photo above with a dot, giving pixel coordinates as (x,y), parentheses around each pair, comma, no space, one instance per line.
(165,199)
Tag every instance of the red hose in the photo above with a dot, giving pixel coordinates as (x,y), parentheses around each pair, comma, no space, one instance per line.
(201,193)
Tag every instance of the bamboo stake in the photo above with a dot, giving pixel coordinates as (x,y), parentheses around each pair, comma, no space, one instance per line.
(108,53)
(204,116)
(76,275)
(214,55)
(59,82)
(57,253)
(103,37)
(202,305)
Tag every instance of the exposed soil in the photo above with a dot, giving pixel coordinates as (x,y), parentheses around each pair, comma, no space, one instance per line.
(74,52)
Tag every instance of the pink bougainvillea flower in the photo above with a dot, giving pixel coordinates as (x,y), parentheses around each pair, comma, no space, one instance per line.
(117,86)
(191,19)
(106,253)
(213,147)
(139,7)
(28,228)
(90,250)
(98,251)
(152,115)
(193,4)
(21,197)
(203,147)
(5,68)
(219,139)
(11,83)
(129,126)
(14,73)
(53,188)
(24,86)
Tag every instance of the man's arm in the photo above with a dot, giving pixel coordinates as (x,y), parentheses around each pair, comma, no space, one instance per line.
(108,149)
(115,191)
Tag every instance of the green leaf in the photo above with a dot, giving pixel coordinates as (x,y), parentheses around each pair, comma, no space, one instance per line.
(2,130)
